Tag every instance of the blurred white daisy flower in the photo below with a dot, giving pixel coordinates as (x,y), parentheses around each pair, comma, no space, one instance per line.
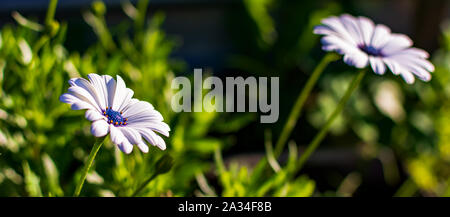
(112,109)
(362,43)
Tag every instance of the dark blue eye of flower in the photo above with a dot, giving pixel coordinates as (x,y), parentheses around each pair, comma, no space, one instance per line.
(114,117)
(371,50)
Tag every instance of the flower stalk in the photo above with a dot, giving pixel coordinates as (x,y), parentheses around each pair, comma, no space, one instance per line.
(301,99)
(88,165)
(296,110)
(50,12)
(323,132)
(163,165)
(143,185)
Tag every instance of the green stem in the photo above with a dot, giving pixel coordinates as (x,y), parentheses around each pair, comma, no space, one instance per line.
(219,161)
(321,135)
(407,189)
(51,12)
(142,11)
(163,165)
(87,166)
(301,99)
(296,110)
(142,186)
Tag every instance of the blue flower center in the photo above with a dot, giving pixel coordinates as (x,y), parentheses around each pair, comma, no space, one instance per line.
(370,50)
(115,117)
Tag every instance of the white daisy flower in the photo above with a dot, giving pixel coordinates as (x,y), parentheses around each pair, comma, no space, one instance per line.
(112,109)
(362,43)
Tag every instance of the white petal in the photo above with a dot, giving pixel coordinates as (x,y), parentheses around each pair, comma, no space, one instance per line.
(152,138)
(107,78)
(411,59)
(357,59)
(323,30)
(99,84)
(393,65)
(127,98)
(84,95)
(81,105)
(94,115)
(396,43)
(406,70)
(146,116)
(116,135)
(89,87)
(337,44)
(161,143)
(135,138)
(351,25)
(335,24)
(130,104)
(126,147)
(159,126)
(377,65)
(367,27)
(143,147)
(75,102)
(99,128)
(132,135)
(141,108)
(421,73)
(110,89)
(418,70)
(68,98)
(380,37)
(120,94)
(78,82)
(408,77)
(414,64)
(416,52)
(425,64)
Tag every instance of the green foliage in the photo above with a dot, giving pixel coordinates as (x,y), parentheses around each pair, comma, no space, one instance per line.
(43,143)
(390,121)
(429,168)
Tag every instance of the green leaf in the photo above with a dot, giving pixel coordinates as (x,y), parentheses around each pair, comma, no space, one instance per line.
(31,181)
(52,175)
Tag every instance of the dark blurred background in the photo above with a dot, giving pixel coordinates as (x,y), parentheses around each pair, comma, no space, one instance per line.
(222,37)
(204,26)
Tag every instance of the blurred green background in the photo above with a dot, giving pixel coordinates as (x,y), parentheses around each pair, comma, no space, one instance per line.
(392,139)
